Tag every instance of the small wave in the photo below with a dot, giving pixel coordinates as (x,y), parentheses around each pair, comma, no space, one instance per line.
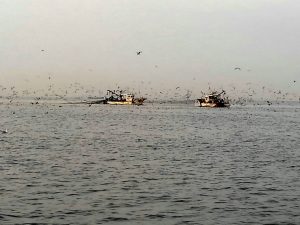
(110,218)
(155,216)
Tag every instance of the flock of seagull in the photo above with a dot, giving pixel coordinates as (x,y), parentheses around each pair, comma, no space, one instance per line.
(244,96)
(250,93)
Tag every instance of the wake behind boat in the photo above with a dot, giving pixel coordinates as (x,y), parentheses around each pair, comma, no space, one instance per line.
(212,100)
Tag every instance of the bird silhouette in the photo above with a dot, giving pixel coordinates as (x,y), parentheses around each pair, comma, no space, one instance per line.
(139,52)
(4,131)
(237,68)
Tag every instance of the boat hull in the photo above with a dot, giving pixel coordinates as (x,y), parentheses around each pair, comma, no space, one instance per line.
(119,103)
(211,105)
(138,101)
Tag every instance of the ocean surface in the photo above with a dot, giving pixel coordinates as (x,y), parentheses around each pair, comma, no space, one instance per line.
(152,164)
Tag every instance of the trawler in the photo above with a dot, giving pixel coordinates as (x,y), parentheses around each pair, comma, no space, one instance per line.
(117,97)
(212,100)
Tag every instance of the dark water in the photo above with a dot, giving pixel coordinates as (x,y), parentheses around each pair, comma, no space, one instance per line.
(155,164)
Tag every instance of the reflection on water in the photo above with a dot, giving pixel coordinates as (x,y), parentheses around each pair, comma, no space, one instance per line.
(156,164)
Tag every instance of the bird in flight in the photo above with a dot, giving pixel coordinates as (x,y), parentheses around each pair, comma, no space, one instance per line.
(237,68)
(139,52)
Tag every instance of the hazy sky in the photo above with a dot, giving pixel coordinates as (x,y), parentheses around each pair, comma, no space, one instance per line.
(185,43)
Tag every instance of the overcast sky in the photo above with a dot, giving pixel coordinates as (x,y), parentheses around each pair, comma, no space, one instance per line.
(185,43)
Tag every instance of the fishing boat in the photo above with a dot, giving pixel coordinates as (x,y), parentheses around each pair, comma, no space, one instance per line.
(117,97)
(212,100)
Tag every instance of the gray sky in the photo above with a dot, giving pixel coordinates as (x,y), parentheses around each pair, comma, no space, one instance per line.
(185,43)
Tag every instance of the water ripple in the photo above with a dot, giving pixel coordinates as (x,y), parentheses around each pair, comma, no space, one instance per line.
(149,165)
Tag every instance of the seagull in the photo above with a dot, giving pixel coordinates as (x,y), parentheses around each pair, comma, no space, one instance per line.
(4,131)
(139,52)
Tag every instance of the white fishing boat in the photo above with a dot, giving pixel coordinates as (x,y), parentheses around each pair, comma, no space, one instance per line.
(117,97)
(212,100)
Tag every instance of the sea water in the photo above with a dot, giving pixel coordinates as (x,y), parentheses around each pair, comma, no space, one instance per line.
(151,164)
